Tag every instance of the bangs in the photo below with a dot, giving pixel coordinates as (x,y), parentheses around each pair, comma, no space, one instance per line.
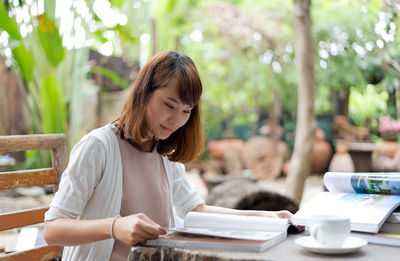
(189,87)
(180,71)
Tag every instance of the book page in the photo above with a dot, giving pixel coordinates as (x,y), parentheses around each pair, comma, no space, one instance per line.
(367,212)
(174,239)
(235,222)
(248,235)
(372,183)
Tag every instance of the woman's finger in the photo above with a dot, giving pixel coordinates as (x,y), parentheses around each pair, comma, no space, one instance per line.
(149,221)
(149,229)
(284,214)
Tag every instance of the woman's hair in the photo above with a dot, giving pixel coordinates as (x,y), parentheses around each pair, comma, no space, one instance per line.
(163,69)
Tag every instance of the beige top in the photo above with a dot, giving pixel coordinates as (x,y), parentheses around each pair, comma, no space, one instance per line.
(145,189)
(91,188)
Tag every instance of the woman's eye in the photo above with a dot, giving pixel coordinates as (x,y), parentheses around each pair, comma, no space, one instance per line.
(169,105)
(186,112)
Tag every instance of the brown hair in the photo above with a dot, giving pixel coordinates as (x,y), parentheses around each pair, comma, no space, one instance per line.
(186,143)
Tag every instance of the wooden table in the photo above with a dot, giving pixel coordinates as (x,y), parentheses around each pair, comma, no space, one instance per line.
(361,154)
(286,250)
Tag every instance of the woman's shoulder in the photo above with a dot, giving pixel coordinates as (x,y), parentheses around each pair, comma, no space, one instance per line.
(101,137)
(173,167)
(103,134)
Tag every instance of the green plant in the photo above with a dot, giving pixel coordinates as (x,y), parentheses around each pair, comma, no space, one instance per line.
(366,104)
(111,75)
(47,70)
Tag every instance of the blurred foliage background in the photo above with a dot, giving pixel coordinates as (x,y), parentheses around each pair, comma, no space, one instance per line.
(244,50)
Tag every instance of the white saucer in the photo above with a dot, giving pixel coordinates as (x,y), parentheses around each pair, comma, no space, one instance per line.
(352,244)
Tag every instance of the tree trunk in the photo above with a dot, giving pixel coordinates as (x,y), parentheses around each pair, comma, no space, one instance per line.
(154,36)
(14,113)
(4,104)
(398,103)
(392,103)
(306,123)
(344,102)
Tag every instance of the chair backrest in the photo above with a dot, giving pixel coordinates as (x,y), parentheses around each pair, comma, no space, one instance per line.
(27,178)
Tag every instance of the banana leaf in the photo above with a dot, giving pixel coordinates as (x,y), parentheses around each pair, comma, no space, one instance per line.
(53,108)
(24,60)
(8,24)
(50,40)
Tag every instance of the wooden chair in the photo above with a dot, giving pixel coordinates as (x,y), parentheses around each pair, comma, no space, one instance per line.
(8,180)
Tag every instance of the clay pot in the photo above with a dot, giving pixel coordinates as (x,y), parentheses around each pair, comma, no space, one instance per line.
(396,156)
(217,147)
(341,161)
(321,153)
(264,156)
(387,149)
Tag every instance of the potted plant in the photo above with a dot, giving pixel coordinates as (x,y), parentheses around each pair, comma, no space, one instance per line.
(389,128)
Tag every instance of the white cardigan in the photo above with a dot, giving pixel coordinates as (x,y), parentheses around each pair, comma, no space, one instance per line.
(91,188)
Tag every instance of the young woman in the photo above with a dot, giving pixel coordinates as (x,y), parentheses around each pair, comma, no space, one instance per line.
(123,179)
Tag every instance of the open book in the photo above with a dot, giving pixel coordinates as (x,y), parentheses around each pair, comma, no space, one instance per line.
(367,198)
(225,232)
(389,233)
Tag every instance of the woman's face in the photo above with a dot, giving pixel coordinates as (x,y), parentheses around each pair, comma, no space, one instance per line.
(166,113)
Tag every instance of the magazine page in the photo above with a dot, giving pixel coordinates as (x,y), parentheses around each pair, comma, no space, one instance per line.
(367,212)
(235,222)
(372,183)
(394,217)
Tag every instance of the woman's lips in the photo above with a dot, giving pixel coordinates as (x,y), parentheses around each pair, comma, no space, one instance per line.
(166,129)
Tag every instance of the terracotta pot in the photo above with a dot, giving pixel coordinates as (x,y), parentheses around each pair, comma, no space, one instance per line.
(387,149)
(321,153)
(341,161)
(264,156)
(217,147)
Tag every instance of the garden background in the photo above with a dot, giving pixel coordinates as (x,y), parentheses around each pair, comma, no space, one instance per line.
(65,67)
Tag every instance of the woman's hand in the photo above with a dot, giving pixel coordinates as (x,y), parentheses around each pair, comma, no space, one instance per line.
(282,214)
(274,214)
(136,228)
(260,213)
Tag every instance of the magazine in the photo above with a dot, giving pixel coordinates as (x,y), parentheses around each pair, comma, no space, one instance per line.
(225,232)
(367,198)
(392,224)
(394,217)
(389,233)
(387,183)
(390,228)
(387,239)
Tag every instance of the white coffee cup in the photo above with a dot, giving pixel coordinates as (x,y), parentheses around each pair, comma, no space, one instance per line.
(329,230)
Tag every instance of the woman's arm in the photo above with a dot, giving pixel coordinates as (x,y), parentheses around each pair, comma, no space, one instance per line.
(130,230)
(261,213)
(71,232)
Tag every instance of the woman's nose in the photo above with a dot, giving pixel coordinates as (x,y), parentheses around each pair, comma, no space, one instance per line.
(175,120)
(172,120)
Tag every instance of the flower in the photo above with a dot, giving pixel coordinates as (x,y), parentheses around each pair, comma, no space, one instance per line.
(389,128)
(387,124)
